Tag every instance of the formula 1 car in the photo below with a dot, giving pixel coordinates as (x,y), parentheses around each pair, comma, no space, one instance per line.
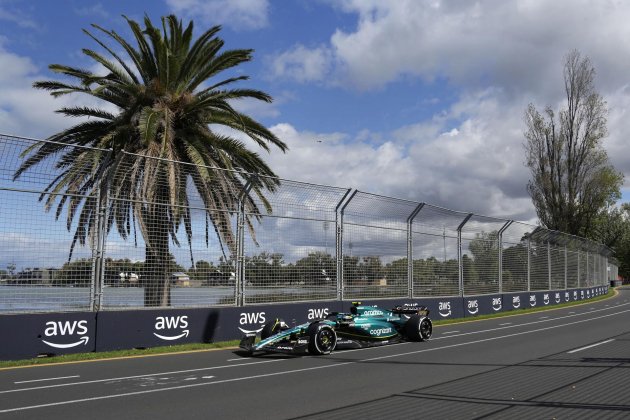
(364,326)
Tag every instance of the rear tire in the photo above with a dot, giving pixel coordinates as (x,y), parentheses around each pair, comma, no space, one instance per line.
(418,328)
(322,338)
(271,328)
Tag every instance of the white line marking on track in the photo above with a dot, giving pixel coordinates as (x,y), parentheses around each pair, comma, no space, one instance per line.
(136,376)
(334,365)
(47,379)
(239,359)
(591,346)
(449,332)
(505,323)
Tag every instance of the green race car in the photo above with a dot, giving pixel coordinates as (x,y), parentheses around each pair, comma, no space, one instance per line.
(364,326)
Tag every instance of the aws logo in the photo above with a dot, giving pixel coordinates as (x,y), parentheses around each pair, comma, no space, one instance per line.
(516,302)
(497,304)
(473,307)
(588,294)
(171,323)
(557,297)
(567,296)
(56,330)
(532,300)
(546,298)
(581,294)
(248,318)
(317,313)
(444,309)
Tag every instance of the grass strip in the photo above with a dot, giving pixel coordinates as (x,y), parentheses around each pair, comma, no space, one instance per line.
(116,354)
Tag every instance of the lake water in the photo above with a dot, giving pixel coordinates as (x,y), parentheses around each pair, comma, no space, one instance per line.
(16,298)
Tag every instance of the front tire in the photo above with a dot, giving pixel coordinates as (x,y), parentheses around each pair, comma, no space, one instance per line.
(322,338)
(418,328)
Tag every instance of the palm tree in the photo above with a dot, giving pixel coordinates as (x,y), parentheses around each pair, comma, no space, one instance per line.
(143,160)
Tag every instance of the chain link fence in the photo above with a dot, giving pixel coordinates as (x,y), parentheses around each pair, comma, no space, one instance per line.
(85,229)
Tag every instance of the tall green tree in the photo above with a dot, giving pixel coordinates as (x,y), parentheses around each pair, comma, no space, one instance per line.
(572,178)
(612,226)
(163,96)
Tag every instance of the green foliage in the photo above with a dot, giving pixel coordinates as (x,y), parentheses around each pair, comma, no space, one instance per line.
(75,273)
(572,178)
(612,228)
(264,268)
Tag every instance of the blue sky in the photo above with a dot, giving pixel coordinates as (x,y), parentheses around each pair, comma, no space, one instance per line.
(415,99)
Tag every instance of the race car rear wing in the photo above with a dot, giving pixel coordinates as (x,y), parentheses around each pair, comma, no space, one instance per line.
(411,310)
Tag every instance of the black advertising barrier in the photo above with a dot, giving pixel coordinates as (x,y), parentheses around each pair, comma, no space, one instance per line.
(30,335)
(163,327)
(488,304)
(482,305)
(155,327)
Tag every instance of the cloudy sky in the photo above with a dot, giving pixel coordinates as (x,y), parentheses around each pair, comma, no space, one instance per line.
(414,99)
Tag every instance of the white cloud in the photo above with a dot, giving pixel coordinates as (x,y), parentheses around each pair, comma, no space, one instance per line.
(16,16)
(93,10)
(301,64)
(514,44)
(476,165)
(501,55)
(30,112)
(22,108)
(619,132)
(238,14)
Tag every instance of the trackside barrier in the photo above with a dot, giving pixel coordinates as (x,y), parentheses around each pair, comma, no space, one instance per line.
(30,335)
(75,244)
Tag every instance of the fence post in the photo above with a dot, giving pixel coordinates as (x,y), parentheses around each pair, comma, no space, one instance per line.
(549,264)
(339,245)
(240,245)
(579,254)
(500,239)
(566,268)
(588,273)
(410,249)
(240,258)
(96,287)
(529,265)
(459,254)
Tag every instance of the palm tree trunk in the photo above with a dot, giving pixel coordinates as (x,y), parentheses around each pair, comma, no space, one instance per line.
(157,290)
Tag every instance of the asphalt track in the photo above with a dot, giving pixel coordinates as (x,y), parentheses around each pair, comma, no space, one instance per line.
(567,363)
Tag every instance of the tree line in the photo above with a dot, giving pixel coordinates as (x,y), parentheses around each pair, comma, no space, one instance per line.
(480,264)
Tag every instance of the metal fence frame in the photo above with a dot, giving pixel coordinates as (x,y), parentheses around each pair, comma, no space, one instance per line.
(415,249)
